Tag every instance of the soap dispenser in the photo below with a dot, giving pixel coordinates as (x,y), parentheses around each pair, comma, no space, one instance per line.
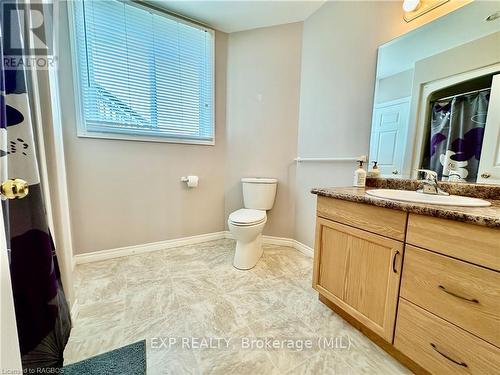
(360,175)
(375,172)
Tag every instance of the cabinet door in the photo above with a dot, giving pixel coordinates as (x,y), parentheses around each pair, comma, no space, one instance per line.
(359,272)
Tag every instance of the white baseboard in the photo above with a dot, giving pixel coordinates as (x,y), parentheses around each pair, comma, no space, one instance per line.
(290,242)
(278,241)
(96,256)
(304,249)
(284,241)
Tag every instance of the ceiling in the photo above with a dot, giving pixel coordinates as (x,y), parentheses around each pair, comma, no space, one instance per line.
(239,15)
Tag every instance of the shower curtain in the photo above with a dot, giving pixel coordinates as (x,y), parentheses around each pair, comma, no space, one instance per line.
(456,134)
(42,314)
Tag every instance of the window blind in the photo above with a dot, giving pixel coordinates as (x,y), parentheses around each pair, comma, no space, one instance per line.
(143,73)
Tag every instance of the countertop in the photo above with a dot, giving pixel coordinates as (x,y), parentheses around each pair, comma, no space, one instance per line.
(485,216)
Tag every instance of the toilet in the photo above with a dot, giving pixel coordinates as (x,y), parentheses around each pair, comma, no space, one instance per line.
(246,224)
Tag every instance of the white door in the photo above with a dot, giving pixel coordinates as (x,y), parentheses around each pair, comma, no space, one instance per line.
(10,358)
(388,138)
(489,165)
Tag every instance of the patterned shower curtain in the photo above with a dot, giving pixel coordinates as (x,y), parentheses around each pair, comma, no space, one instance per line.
(456,136)
(42,314)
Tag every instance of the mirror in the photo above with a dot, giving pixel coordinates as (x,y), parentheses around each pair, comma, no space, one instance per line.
(437,99)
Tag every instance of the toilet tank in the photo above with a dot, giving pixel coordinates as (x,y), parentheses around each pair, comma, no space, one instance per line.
(259,193)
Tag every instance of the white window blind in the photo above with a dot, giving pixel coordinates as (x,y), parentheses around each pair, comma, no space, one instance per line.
(143,73)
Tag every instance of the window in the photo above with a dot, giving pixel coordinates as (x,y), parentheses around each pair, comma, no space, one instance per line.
(142,74)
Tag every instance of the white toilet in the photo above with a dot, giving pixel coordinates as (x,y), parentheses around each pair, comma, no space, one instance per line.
(246,224)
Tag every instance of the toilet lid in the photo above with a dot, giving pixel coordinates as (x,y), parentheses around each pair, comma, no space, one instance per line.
(246,216)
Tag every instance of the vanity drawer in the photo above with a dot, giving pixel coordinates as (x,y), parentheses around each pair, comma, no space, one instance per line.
(382,221)
(439,346)
(461,293)
(473,243)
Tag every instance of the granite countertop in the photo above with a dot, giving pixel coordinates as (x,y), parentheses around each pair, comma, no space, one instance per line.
(486,216)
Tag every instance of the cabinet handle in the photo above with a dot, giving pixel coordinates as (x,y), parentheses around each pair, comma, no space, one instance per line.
(458,296)
(463,364)
(394,261)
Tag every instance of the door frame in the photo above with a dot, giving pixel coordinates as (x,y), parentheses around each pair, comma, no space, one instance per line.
(57,188)
(50,149)
(493,117)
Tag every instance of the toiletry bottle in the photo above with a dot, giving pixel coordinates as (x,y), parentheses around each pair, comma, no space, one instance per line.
(360,175)
(375,172)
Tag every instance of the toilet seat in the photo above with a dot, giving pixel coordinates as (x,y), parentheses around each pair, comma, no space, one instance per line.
(247,217)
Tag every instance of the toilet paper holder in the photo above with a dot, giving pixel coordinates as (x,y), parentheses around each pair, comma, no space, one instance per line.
(191,181)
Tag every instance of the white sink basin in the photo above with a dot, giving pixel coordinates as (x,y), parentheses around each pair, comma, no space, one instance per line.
(413,196)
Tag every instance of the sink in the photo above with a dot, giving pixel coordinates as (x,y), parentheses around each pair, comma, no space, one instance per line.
(413,196)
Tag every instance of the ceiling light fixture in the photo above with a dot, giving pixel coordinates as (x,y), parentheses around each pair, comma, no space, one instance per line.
(410,5)
(416,8)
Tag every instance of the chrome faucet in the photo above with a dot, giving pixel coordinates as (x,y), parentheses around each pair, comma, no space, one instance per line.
(430,183)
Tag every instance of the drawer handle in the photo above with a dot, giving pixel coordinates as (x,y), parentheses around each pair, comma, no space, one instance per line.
(394,261)
(458,296)
(463,364)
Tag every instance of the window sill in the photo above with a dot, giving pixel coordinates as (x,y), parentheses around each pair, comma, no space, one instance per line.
(138,138)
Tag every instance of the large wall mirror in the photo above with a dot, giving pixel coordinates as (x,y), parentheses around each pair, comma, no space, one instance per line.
(437,98)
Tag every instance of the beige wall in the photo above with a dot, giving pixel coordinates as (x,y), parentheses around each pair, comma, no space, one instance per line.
(126,193)
(394,87)
(262,116)
(339,56)
(469,56)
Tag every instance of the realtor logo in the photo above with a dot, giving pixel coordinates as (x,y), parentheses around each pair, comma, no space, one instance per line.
(27,33)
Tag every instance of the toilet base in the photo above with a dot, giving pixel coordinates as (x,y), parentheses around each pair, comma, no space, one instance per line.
(247,254)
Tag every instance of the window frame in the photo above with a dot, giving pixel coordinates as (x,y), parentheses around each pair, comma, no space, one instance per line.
(81,127)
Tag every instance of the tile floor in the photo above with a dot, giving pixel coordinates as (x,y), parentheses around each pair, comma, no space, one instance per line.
(193,293)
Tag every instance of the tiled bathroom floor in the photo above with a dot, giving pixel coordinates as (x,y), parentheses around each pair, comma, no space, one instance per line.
(190,293)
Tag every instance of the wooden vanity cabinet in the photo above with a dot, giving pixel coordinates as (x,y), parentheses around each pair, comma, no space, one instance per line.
(462,293)
(448,318)
(358,270)
(441,347)
(382,221)
(471,243)
(425,289)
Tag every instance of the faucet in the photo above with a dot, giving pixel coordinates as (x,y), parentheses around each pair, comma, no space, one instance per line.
(429,183)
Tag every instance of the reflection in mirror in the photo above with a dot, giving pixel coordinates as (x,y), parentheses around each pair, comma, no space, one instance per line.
(437,99)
